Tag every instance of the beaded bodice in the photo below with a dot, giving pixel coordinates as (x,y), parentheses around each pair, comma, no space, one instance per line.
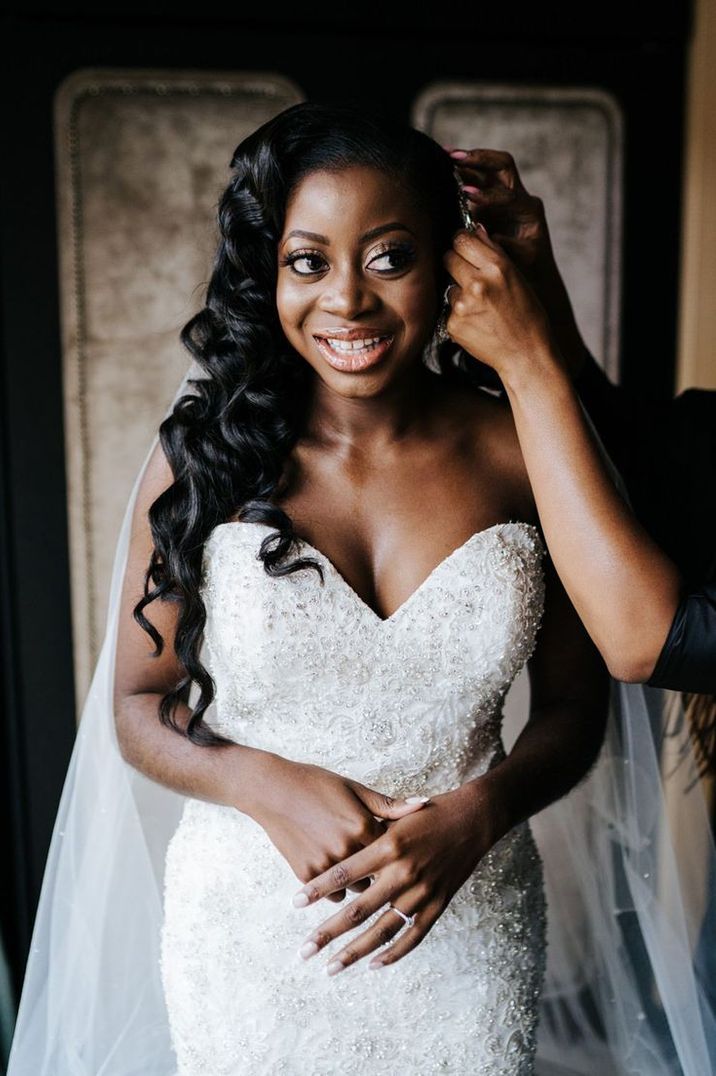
(310,671)
(407,705)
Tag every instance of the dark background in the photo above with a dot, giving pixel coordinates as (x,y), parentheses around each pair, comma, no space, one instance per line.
(372,53)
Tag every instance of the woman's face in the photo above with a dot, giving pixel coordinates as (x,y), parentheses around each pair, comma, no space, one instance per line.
(357,278)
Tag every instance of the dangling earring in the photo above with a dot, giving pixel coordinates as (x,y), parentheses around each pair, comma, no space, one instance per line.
(441,335)
(441,332)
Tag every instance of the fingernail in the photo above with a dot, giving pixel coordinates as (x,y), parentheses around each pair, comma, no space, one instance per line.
(459,154)
(309,949)
(375,964)
(300,900)
(470,190)
(417,799)
(335,966)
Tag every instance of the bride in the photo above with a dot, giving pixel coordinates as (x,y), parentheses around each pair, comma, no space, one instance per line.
(329,574)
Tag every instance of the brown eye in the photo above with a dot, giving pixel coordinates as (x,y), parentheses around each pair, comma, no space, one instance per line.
(304,263)
(393,259)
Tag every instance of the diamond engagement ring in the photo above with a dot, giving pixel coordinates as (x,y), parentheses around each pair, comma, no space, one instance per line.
(409,919)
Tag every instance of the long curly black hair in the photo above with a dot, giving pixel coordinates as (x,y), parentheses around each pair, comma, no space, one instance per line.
(227,442)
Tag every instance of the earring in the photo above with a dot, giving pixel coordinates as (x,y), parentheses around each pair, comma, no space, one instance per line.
(467,221)
(441,329)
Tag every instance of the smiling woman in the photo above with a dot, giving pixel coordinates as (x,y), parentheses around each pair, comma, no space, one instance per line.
(344,732)
(350,274)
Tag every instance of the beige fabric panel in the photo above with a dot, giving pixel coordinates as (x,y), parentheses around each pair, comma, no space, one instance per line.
(567,143)
(141,157)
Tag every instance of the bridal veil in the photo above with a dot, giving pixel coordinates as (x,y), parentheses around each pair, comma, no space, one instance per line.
(629,868)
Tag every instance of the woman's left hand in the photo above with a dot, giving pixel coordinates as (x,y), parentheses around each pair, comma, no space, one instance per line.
(494,314)
(418,864)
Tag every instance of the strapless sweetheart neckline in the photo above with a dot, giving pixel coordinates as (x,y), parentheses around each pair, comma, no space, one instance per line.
(429,579)
(407,705)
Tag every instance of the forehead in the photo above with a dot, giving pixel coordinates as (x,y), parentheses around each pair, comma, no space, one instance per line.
(351,200)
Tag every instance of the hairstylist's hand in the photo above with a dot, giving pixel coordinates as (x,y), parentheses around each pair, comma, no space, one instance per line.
(516,220)
(316,818)
(494,313)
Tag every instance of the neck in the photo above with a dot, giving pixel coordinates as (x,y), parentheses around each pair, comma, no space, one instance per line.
(372,421)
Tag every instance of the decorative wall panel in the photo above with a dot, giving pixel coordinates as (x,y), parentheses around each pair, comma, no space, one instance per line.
(567,143)
(142,157)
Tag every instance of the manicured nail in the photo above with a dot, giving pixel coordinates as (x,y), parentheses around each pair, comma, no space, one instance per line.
(309,949)
(335,966)
(459,154)
(375,964)
(471,190)
(300,900)
(418,799)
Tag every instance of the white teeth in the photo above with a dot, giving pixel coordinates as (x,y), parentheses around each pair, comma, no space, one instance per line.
(353,345)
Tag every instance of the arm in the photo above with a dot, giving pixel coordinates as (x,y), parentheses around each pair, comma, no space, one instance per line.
(309,813)
(224,775)
(624,588)
(562,738)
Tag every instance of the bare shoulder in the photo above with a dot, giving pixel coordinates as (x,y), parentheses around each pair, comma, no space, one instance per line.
(488,422)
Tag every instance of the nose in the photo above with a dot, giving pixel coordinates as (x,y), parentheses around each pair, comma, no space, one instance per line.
(347,294)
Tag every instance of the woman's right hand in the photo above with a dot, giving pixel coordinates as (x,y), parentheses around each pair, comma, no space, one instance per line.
(317,818)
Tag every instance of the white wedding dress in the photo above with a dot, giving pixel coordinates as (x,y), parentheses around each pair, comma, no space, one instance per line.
(408,705)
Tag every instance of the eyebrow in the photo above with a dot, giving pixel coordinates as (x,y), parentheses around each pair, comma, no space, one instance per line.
(394,226)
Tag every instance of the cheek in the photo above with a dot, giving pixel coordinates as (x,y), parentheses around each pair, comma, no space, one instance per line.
(419,304)
(292,305)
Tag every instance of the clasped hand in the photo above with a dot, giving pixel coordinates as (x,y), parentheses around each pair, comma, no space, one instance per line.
(417,864)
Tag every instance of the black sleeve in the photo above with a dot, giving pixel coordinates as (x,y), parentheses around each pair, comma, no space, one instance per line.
(688,659)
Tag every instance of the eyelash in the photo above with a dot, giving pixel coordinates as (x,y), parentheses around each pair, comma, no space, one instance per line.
(404,249)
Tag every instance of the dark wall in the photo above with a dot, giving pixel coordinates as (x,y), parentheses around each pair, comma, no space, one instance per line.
(333,53)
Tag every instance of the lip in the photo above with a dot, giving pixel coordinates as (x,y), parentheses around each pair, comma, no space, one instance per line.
(365,332)
(356,361)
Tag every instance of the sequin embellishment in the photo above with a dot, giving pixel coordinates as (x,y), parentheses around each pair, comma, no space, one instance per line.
(410,705)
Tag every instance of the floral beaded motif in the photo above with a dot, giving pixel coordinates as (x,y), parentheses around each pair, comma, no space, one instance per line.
(410,705)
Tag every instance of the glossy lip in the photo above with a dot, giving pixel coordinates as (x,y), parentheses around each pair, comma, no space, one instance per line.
(355,361)
(364,333)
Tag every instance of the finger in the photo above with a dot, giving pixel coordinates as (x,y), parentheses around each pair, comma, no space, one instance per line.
(460,269)
(409,938)
(489,197)
(492,160)
(471,250)
(352,869)
(355,912)
(477,248)
(382,806)
(382,932)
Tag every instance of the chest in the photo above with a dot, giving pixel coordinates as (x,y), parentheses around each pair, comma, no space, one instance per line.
(467,629)
(386,525)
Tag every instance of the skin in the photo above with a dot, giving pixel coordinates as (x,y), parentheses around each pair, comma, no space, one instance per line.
(370,441)
(625,589)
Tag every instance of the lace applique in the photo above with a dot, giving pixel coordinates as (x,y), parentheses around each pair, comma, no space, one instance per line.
(409,705)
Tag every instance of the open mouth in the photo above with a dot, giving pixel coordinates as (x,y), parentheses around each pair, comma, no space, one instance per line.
(355,354)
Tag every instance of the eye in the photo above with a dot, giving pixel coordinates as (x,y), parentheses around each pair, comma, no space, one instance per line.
(392,259)
(304,262)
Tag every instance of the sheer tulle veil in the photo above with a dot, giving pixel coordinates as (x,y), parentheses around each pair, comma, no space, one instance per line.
(629,864)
